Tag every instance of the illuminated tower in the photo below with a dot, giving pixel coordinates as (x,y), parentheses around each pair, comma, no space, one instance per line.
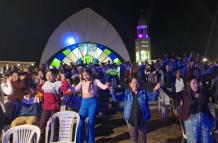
(142,42)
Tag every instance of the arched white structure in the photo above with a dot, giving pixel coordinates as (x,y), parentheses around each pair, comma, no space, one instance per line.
(84,26)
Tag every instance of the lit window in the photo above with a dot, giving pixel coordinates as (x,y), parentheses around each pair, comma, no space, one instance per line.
(84,52)
(145,46)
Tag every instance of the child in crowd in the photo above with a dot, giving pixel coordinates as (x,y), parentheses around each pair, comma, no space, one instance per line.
(30,109)
(39,81)
(52,100)
(67,100)
(89,105)
(136,109)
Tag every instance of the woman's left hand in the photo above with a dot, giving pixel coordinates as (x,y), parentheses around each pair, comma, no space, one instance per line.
(108,84)
(157,87)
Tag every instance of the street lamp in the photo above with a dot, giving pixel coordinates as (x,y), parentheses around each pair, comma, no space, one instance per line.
(204,59)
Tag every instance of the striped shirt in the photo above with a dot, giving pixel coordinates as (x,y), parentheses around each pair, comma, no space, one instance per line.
(52,94)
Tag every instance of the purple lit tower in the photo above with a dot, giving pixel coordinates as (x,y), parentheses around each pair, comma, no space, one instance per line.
(142,42)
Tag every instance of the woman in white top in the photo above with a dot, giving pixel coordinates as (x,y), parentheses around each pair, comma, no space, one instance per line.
(179,86)
(179,83)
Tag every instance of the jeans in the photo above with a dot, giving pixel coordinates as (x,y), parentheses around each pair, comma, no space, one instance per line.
(137,135)
(198,127)
(88,109)
(46,114)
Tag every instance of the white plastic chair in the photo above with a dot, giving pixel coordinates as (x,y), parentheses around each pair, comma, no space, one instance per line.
(68,121)
(212,109)
(165,105)
(163,99)
(22,134)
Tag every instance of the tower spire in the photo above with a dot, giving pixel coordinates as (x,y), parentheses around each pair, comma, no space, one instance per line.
(141,18)
(142,42)
(142,31)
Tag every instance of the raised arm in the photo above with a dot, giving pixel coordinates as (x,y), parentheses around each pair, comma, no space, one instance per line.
(101,85)
(77,87)
(153,94)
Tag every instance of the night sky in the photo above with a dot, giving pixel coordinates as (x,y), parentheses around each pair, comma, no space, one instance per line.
(175,25)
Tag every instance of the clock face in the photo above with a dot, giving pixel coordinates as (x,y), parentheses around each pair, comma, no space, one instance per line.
(86,53)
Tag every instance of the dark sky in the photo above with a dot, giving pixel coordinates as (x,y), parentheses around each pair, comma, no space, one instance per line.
(175,25)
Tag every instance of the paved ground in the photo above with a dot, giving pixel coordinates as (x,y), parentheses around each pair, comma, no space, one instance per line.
(114,130)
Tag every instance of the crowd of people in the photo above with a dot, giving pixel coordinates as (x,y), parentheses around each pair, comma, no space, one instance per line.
(33,96)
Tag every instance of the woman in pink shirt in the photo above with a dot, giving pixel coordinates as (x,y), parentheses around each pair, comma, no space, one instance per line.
(89,105)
